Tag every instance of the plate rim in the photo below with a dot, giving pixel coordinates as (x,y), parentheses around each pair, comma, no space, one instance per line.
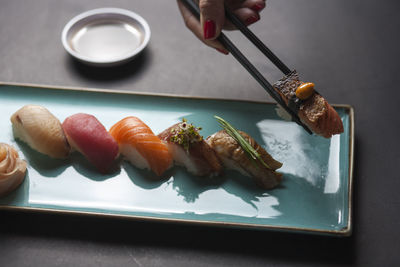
(345,231)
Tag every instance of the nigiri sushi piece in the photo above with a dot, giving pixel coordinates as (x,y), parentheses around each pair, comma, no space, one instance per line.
(88,136)
(189,149)
(140,146)
(12,169)
(312,109)
(234,157)
(41,130)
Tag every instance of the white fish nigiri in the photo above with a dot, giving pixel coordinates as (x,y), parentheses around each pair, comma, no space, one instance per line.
(12,169)
(41,130)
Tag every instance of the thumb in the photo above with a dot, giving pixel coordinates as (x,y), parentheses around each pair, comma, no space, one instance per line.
(212,17)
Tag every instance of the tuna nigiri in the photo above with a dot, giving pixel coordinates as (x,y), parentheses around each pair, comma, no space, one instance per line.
(140,146)
(88,136)
(312,109)
(188,149)
(41,130)
(12,169)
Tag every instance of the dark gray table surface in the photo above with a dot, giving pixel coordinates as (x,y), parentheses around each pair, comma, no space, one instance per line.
(350,49)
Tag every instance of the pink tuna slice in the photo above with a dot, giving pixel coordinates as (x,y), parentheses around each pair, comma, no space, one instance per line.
(87,135)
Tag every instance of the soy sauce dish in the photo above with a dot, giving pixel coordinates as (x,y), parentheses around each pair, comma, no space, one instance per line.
(105,36)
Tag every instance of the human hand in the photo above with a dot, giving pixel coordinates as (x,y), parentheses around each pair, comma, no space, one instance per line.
(212,18)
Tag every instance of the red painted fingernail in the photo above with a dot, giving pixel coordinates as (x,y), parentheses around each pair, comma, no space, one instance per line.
(209,29)
(258,7)
(222,51)
(252,19)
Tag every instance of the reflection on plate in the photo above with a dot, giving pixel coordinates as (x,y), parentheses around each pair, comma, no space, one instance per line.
(105,36)
(314,197)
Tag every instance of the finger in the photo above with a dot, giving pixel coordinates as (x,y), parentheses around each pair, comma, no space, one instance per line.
(212,17)
(191,22)
(194,25)
(256,5)
(246,15)
(234,4)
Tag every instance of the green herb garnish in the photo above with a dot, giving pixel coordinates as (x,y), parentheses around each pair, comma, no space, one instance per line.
(247,148)
(185,134)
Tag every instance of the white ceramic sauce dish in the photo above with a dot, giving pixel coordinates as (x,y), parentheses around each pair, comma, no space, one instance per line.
(105,36)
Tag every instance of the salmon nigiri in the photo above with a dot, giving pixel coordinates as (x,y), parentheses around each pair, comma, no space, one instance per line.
(312,109)
(141,146)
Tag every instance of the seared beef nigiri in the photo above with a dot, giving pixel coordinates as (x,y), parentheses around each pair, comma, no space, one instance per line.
(188,149)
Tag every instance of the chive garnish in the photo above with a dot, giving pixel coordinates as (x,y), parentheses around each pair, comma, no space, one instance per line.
(247,148)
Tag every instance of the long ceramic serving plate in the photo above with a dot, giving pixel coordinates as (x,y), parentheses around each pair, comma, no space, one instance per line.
(314,197)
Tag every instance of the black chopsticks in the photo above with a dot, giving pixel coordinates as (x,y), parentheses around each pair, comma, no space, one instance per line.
(257,42)
(193,7)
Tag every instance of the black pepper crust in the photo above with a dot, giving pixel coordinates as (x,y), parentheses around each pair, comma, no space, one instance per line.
(288,84)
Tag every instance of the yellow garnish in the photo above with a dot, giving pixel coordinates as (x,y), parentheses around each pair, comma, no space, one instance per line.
(305,90)
(185,134)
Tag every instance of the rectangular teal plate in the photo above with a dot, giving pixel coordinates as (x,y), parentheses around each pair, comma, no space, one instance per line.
(314,197)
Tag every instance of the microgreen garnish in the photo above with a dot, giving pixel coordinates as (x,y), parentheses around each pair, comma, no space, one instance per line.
(247,148)
(185,134)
